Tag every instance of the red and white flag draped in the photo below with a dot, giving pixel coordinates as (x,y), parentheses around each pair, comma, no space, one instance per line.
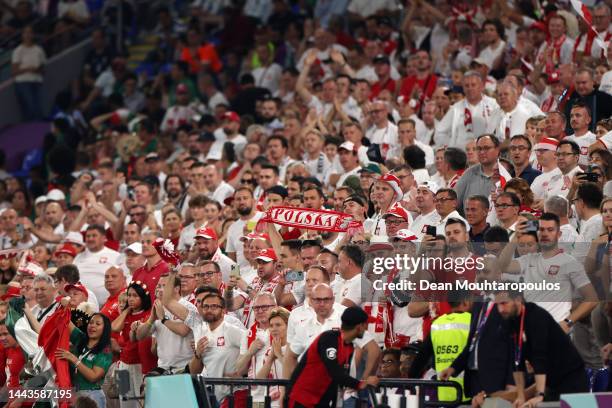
(54,334)
(584,12)
(306,218)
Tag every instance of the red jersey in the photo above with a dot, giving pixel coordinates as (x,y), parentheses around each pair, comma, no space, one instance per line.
(11,363)
(111,310)
(130,353)
(151,276)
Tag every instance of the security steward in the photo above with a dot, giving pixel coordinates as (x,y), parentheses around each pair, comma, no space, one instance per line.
(325,364)
(447,339)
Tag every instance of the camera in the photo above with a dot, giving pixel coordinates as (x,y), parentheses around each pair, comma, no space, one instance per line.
(294,276)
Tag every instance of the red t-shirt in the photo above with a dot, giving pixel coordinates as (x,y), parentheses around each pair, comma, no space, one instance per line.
(378,87)
(150,277)
(14,359)
(130,353)
(111,310)
(427,84)
(205,54)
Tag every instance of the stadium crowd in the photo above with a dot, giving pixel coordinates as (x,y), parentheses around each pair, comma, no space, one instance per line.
(217,209)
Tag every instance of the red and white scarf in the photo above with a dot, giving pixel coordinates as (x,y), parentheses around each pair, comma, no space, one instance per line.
(259,286)
(306,218)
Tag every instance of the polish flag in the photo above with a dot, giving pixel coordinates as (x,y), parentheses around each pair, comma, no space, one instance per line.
(584,12)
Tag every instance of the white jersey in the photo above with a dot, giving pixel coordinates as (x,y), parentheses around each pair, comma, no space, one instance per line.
(540,183)
(92,268)
(583,142)
(223,349)
(173,351)
(418,226)
(562,269)
(561,183)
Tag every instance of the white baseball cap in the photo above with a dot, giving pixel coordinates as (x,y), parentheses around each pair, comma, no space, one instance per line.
(135,247)
(56,195)
(74,237)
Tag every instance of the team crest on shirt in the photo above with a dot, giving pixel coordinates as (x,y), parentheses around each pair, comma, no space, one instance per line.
(103,259)
(553,270)
(584,150)
(344,292)
(221,341)
(331,353)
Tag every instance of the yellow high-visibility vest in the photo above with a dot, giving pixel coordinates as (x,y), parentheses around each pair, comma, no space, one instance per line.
(449,335)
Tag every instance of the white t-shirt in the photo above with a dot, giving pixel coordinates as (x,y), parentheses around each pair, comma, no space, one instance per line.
(440,227)
(419,223)
(386,135)
(297,317)
(583,142)
(366,8)
(561,268)
(541,182)
(511,123)
(173,351)
(606,83)
(222,191)
(257,361)
(351,289)
(29,57)
(223,349)
(187,237)
(92,268)
(490,55)
(268,77)
(454,130)
(592,228)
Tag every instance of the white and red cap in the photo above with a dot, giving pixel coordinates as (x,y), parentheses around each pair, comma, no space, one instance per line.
(430,185)
(405,235)
(547,143)
(267,255)
(255,235)
(31,268)
(78,286)
(395,184)
(206,233)
(349,146)
(231,116)
(12,290)
(397,210)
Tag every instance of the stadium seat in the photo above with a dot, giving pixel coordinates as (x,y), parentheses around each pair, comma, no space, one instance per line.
(170,391)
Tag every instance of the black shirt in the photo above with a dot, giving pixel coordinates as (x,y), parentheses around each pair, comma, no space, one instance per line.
(547,348)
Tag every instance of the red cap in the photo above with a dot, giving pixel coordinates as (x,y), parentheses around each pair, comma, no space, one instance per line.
(11,292)
(78,286)
(206,233)
(182,89)
(539,25)
(547,143)
(553,78)
(231,116)
(66,249)
(397,211)
(267,255)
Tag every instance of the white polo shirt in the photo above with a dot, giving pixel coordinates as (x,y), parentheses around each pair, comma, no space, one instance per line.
(561,268)
(222,191)
(173,351)
(353,290)
(92,267)
(297,317)
(561,183)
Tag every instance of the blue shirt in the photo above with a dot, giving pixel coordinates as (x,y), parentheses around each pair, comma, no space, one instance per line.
(529,174)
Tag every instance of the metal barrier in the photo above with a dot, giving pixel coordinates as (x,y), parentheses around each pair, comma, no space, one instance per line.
(201,384)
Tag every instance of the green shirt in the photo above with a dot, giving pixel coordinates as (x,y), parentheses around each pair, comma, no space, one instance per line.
(90,360)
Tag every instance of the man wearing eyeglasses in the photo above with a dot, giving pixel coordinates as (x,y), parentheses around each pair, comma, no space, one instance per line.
(187,276)
(507,207)
(520,151)
(446,207)
(567,156)
(256,340)
(217,343)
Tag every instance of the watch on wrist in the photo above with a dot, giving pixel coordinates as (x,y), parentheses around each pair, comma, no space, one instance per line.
(164,320)
(540,394)
(569,322)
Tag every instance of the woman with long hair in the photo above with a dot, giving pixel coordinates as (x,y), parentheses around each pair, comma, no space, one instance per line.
(89,356)
(136,311)
(8,267)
